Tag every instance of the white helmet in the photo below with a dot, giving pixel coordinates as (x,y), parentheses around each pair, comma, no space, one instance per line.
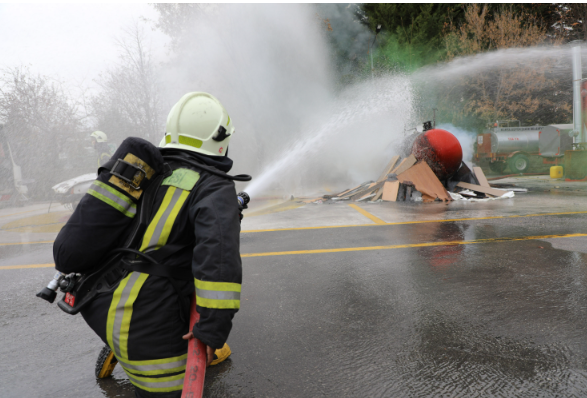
(199,123)
(99,136)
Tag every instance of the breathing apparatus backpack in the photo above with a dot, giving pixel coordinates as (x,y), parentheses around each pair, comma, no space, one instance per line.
(119,207)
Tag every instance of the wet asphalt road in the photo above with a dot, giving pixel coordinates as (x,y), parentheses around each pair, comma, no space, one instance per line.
(489,316)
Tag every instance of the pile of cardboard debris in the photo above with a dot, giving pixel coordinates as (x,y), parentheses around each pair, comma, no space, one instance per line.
(413,180)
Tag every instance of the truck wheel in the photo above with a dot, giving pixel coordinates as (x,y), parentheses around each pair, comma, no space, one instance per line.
(519,163)
(497,167)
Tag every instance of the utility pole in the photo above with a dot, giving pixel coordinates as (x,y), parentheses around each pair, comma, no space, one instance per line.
(578,136)
(377,30)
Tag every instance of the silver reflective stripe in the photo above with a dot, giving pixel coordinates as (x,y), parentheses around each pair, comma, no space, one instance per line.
(113,198)
(159,228)
(159,366)
(218,294)
(120,312)
(155,384)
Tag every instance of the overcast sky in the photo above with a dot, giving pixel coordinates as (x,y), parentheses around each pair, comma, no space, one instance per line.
(73,42)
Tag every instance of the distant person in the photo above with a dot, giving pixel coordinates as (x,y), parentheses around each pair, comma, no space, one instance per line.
(101,145)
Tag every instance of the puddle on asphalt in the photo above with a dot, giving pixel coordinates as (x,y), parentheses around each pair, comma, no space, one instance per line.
(503,319)
(116,386)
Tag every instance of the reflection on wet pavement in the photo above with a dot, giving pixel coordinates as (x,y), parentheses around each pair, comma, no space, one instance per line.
(117,385)
(500,319)
(493,319)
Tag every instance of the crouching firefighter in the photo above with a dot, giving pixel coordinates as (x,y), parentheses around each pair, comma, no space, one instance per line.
(157,225)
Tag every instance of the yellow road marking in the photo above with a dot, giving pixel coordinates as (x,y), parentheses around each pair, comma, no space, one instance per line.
(427,244)
(364,225)
(305,228)
(370,216)
(284,206)
(355,249)
(27,266)
(48,222)
(22,212)
(26,243)
(413,222)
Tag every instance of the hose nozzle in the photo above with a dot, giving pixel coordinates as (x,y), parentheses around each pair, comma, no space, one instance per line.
(50,292)
(243,199)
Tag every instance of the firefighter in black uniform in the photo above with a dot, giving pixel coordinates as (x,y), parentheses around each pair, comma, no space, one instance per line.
(194,225)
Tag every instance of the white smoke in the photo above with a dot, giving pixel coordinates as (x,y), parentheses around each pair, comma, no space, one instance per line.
(296,131)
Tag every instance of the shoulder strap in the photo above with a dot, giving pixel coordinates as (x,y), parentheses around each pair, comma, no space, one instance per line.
(240,177)
(184,274)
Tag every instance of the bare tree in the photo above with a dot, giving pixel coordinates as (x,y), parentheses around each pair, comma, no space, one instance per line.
(129,103)
(176,18)
(514,90)
(42,125)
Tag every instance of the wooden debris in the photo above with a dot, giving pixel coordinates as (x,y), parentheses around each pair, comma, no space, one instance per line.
(464,174)
(353,191)
(390,189)
(372,187)
(312,200)
(378,195)
(388,168)
(425,181)
(399,165)
(342,193)
(479,188)
(361,192)
(481,177)
(366,197)
(404,165)
(427,198)
(399,181)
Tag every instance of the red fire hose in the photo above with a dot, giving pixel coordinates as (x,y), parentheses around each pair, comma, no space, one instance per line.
(195,369)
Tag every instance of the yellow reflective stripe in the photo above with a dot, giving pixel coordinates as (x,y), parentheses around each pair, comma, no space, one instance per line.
(185,140)
(220,295)
(120,313)
(112,197)
(112,312)
(158,384)
(151,228)
(218,304)
(154,372)
(155,361)
(125,326)
(171,219)
(159,229)
(114,192)
(219,286)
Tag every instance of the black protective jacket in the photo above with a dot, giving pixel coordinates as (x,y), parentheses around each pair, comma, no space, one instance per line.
(194,223)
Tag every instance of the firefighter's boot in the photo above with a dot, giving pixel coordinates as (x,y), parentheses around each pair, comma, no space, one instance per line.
(106,363)
(221,354)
